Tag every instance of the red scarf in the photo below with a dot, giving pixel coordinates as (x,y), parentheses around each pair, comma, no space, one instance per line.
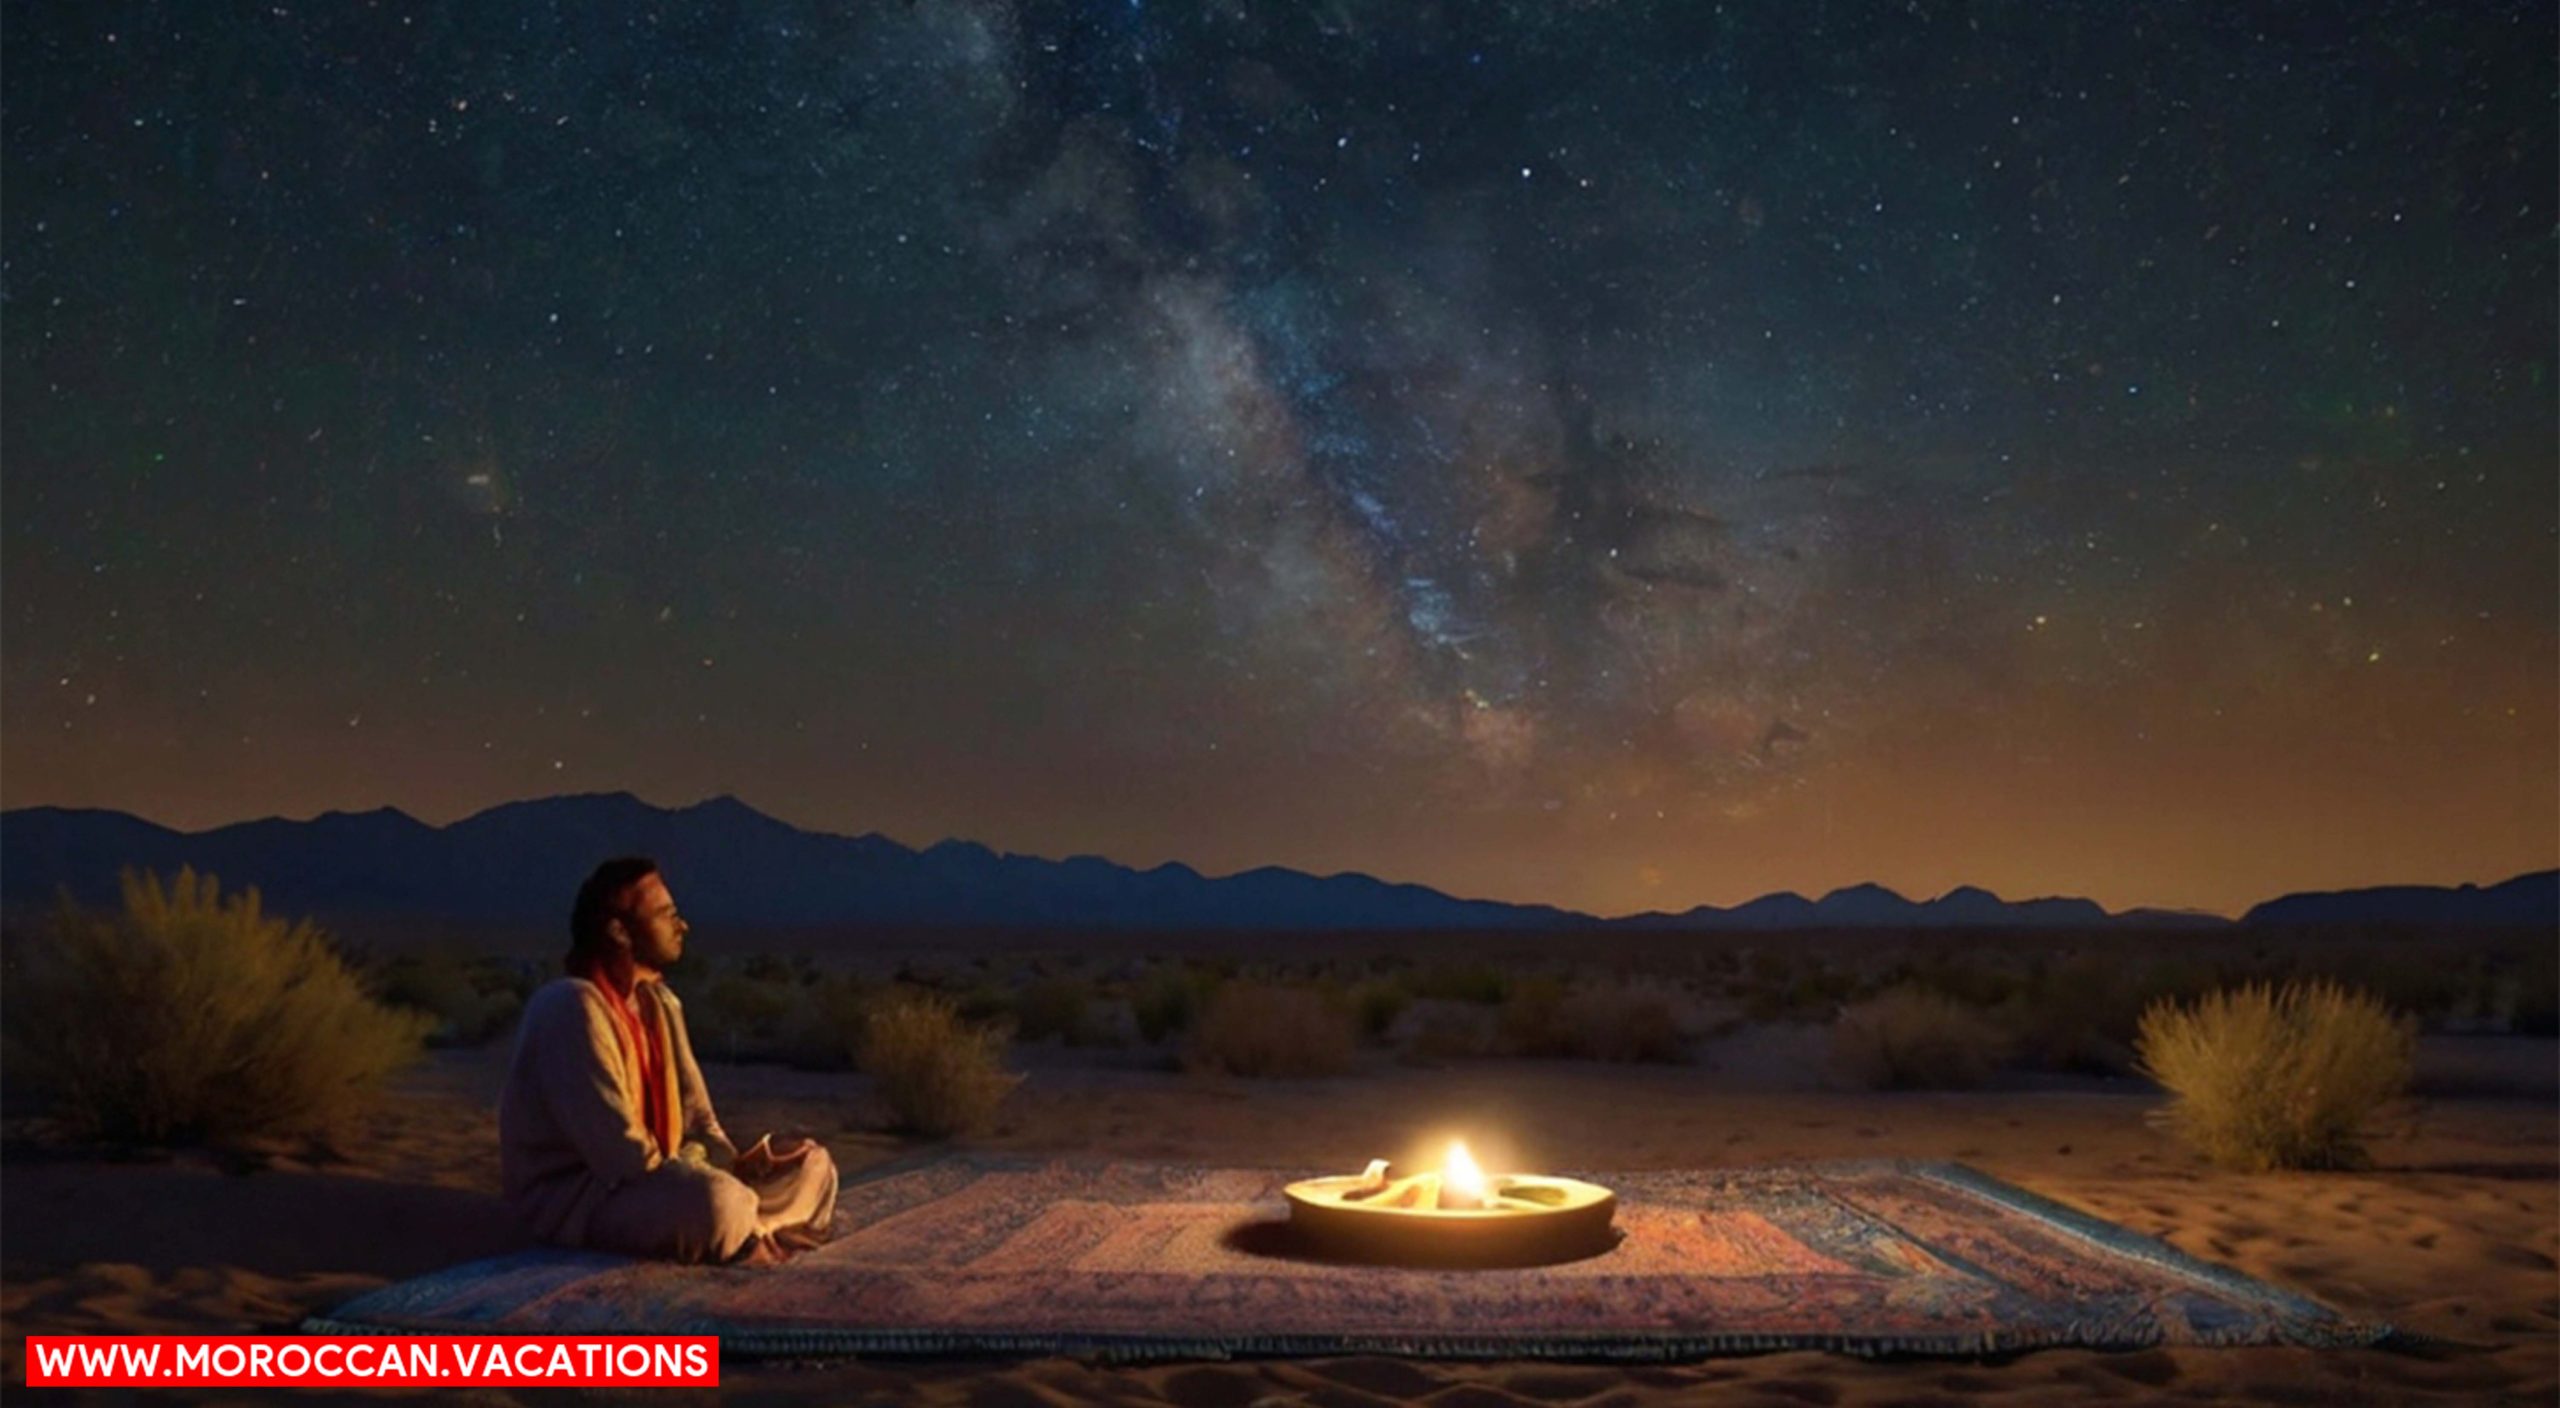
(644,1046)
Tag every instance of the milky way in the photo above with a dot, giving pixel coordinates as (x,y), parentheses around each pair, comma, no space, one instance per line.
(1621,455)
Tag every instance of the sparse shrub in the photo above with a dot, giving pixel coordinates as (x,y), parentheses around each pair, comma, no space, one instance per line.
(2079,1015)
(1379,1002)
(190,1017)
(1263,1030)
(838,1004)
(1814,993)
(939,1075)
(1543,1018)
(468,1003)
(1171,999)
(1477,983)
(1968,982)
(2536,1008)
(1054,1007)
(823,1027)
(2423,985)
(1451,1031)
(2265,1078)
(739,1017)
(2187,978)
(1619,1025)
(1533,1021)
(1911,1038)
(984,1004)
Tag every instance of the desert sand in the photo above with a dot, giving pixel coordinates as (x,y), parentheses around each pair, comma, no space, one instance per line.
(2452,1234)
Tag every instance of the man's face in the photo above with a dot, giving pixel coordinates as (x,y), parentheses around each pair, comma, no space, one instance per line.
(657,931)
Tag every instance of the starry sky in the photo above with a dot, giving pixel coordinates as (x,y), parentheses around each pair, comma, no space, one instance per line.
(1620,455)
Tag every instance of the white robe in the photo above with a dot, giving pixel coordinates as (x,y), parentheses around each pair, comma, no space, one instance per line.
(580,1167)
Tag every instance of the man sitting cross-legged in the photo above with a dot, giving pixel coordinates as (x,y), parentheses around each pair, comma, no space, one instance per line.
(606,1134)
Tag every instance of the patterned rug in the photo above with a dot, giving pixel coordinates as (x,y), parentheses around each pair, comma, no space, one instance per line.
(1131,1261)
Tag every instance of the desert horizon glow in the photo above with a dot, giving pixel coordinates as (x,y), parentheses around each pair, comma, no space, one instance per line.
(1625,458)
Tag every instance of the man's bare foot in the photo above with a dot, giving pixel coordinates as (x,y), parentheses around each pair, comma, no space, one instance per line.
(791,1149)
(766,1157)
(760,1251)
(805,1237)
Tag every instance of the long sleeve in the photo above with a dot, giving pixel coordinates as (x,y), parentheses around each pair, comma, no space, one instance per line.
(577,1073)
(700,1121)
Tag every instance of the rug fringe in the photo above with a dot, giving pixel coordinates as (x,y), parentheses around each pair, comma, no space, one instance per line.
(2278,1315)
(1139,1349)
(2305,1320)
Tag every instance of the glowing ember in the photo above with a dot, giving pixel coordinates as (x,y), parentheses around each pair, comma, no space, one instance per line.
(1454,1216)
(1461,1182)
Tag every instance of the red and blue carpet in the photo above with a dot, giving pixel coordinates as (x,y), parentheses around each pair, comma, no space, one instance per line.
(975,1255)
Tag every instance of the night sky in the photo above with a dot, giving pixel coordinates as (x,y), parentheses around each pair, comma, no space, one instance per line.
(1619,455)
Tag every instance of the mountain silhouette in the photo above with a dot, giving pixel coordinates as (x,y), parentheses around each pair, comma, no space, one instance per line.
(520,862)
(1874,906)
(2526,902)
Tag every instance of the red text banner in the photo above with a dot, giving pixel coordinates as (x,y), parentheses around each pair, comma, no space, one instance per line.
(371,1361)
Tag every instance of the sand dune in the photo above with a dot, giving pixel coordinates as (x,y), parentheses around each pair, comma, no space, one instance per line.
(2452,1235)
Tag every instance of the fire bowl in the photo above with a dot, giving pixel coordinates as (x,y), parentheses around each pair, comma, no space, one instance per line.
(1560,1219)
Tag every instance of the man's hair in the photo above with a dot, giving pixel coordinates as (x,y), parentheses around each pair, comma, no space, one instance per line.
(599,900)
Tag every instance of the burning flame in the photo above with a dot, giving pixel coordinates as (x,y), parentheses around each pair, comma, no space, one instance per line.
(1461,1182)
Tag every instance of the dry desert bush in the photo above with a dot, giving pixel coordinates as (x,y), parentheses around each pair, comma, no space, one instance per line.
(820,1027)
(2267,1078)
(471,999)
(1479,983)
(1170,998)
(939,1075)
(1379,1003)
(755,1009)
(1532,1021)
(1623,1024)
(2535,1008)
(1781,990)
(1058,1007)
(1267,1030)
(1915,1038)
(737,1015)
(1449,1031)
(1544,1018)
(191,1017)
(2076,1015)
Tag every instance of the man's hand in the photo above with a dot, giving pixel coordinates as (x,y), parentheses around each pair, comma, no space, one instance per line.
(791,1150)
(766,1157)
